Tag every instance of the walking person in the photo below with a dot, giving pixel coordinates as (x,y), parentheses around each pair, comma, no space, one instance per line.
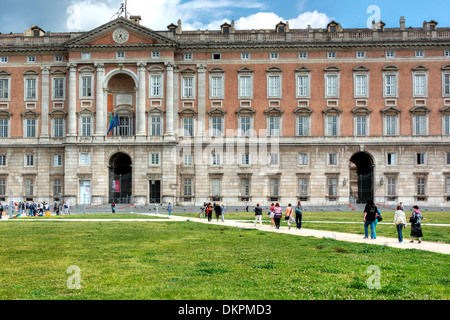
(246,206)
(298,215)
(156,208)
(224,210)
(289,214)
(272,214)
(400,222)
(278,214)
(416,225)
(113,207)
(370,215)
(169,208)
(258,214)
(209,211)
(217,210)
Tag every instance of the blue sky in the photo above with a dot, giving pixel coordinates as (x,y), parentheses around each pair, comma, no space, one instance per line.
(76,15)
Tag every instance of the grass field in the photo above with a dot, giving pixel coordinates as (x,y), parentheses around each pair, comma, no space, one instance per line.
(190,261)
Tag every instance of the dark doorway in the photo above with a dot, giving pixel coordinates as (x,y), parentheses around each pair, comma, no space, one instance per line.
(361,178)
(120,179)
(155,191)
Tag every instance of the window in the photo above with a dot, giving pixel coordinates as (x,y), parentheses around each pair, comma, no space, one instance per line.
(85,159)
(216,159)
(2,160)
(361,125)
(390,54)
(57,187)
(2,187)
(188,56)
(420,159)
(361,85)
(57,160)
(332,159)
(274,126)
(188,159)
(58,127)
(245,56)
(85,55)
(420,125)
(31,59)
(303,55)
(188,127)
(217,126)
(245,187)
(390,85)
(446,84)
(447,180)
(420,53)
(30,93)
(216,187)
(303,159)
(303,86)
(392,187)
(30,128)
(331,54)
(29,160)
(154,159)
(4,88)
(274,84)
(448,159)
(446,53)
(86,125)
(187,187)
(446,124)
(303,187)
(3,59)
(332,125)
(331,85)
(86,87)
(188,87)
(391,159)
(58,88)
(274,187)
(156,86)
(332,187)
(421,186)
(303,126)
(217,87)
(274,159)
(216,56)
(29,184)
(420,85)
(125,126)
(156,54)
(59,58)
(120,55)
(273,55)
(245,126)
(4,128)
(391,125)
(245,87)
(156,126)
(360,54)
(245,159)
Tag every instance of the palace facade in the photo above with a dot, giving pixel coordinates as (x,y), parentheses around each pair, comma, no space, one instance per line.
(324,116)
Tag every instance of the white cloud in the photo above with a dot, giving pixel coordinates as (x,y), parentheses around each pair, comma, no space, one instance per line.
(158,14)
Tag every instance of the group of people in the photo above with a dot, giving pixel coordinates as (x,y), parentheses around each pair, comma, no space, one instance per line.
(276,214)
(372,216)
(34,209)
(219,209)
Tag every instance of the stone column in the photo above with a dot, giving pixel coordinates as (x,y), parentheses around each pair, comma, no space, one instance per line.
(100,106)
(201,99)
(72,117)
(141,106)
(169,135)
(45,101)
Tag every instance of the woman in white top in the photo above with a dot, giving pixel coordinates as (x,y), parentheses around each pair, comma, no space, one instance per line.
(400,222)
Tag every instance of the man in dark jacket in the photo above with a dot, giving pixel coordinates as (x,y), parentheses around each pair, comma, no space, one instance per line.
(258,214)
(218,210)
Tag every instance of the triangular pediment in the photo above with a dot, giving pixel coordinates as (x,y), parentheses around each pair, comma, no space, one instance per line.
(133,34)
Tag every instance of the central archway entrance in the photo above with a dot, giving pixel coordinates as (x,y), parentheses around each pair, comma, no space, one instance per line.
(361,178)
(120,179)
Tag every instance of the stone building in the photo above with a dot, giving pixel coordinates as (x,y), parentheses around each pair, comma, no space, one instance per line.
(324,116)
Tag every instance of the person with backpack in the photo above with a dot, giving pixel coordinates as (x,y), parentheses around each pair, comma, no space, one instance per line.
(416,226)
(370,215)
(298,215)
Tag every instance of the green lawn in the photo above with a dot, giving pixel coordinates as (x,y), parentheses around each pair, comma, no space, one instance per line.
(95,216)
(186,260)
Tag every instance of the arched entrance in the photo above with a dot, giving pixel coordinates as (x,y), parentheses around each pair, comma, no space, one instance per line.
(361,178)
(120,179)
